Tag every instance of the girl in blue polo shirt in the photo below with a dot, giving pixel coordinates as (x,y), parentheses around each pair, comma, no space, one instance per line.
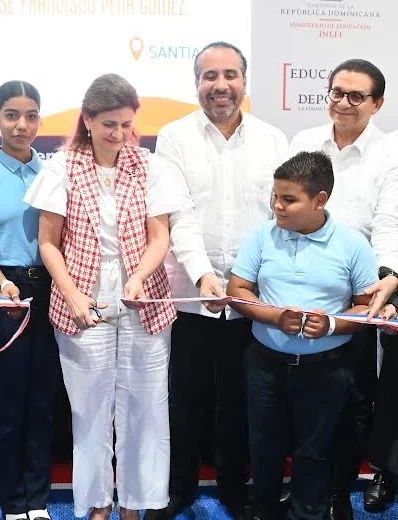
(29,367)
(297,370)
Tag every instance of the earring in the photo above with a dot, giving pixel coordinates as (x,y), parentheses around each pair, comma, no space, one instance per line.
(89,133)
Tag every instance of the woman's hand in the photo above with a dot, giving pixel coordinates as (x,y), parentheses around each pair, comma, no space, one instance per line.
(134,290)
(79,306)
(11,291)
(380,292)
(388,312)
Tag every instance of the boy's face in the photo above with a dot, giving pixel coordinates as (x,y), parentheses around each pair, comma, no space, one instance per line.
(295,209)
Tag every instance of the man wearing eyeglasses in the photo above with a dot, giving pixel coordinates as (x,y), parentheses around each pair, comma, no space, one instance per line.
(365,197)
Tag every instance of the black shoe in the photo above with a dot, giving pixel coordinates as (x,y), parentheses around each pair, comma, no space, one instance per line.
(340,507)
(285,494)
(155,514)
(177,505)
(378,494)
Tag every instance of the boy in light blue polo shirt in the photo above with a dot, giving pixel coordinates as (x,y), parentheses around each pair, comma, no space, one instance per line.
(298,377)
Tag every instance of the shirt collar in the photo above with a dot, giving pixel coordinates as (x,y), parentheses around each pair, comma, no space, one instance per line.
(13,164)
(360,143)
(320,235)
(205,123)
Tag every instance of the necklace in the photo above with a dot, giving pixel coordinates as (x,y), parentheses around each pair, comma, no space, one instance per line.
(106,175)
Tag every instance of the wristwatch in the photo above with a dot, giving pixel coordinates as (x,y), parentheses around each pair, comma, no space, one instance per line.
(386,271)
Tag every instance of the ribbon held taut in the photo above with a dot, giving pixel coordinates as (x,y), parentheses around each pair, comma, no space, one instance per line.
(24,304)
(358,318)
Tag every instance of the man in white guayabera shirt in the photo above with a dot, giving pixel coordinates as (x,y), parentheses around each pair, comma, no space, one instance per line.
(365,196)
(383,449)
(227,158)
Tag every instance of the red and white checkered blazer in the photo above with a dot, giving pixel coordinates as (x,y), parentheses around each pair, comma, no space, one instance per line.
(80,241)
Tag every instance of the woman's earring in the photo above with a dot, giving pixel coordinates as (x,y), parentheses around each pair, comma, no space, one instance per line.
(89,133)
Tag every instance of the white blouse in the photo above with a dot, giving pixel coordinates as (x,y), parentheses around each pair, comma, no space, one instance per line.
(167,193)
(107,204)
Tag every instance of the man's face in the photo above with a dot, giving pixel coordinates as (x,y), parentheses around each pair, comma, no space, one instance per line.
(221,84)
(350,118)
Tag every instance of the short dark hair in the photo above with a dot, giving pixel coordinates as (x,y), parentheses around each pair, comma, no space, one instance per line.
(16,88)
(313,170)
(366,67)
(107,92)
(219,45)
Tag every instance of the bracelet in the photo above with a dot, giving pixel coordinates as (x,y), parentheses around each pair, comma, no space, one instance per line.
(4,283)
(332,326)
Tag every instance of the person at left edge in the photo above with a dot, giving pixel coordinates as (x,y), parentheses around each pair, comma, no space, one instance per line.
(29,367)
(104,231)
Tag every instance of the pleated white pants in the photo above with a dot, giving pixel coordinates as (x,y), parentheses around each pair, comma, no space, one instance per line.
(116,378)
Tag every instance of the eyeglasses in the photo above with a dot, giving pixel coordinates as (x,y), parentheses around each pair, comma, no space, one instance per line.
(354,98)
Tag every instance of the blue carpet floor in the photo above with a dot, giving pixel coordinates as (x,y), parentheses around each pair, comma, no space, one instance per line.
(207,507)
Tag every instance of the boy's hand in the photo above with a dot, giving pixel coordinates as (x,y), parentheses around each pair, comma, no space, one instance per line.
(290,321)
(316,325)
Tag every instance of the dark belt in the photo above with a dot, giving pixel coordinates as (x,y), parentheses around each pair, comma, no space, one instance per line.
(24,273)
(302,359)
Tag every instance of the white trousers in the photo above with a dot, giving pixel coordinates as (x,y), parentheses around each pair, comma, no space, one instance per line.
(116,378)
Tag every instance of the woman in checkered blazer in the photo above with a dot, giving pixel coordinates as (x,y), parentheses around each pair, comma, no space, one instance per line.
(104,232)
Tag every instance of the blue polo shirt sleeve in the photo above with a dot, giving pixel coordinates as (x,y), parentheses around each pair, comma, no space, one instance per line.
(364,271)
(248,261)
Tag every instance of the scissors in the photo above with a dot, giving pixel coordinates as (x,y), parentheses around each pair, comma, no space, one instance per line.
(108,319)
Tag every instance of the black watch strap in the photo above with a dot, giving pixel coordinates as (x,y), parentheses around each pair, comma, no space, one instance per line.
(393,299)
(386,271)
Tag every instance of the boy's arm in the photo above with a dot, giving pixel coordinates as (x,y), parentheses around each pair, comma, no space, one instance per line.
(241,288)
(289,321)
(317,325)
(361,305)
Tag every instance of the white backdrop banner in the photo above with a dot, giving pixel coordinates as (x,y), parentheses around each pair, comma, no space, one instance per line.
(297,43)
(62,45)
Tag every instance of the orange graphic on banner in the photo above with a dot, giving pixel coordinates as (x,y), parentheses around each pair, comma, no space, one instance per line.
(136,47)
(151,117)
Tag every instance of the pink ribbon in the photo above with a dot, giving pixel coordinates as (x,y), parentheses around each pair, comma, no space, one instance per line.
(7,302)
(358,318)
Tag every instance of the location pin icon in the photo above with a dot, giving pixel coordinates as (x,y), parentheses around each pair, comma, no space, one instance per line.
(136,47)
